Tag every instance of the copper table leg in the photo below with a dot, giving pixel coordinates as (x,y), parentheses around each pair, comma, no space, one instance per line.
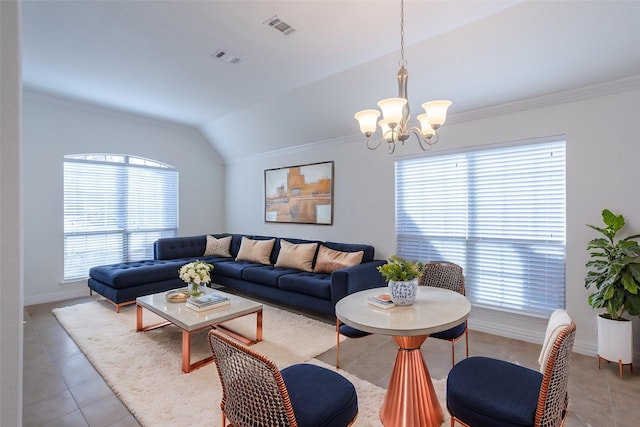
(411,399)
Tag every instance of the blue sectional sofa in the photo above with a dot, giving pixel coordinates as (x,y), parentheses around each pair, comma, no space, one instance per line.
(305,289)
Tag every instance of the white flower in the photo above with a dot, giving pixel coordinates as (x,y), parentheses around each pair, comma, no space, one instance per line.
(196,272)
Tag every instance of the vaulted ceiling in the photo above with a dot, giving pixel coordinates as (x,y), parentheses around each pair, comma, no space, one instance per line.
(157,58)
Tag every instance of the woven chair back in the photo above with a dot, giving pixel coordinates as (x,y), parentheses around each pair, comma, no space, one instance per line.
(253,391)
(443,274)
(553,398)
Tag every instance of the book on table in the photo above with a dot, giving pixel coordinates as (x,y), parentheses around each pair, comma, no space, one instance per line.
(381,301)
(207,301)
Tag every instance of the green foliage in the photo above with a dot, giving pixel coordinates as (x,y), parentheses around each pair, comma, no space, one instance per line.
(400,270)
(614,269)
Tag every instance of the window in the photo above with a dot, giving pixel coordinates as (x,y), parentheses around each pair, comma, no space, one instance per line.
(115,207)
(499,213)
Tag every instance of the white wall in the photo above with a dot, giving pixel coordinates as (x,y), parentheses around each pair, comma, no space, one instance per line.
(602,163)
(11,312)
(54,127)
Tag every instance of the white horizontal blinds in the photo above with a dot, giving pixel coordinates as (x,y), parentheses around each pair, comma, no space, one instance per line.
(517,237)
(152,209)
(431,208)
(514,237)
(115,207)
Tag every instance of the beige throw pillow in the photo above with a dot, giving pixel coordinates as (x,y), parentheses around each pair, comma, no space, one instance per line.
(298,256)
(218,247)
(330,260)
(255,250)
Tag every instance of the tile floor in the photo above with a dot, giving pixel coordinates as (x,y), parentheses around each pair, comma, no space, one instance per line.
(61,388)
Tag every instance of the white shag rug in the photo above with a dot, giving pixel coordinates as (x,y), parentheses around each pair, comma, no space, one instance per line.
(144,368)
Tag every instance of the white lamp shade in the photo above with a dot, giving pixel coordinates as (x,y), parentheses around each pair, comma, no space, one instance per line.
(367,120)
(386,130)
(425,126)
(392,109)
(437,112)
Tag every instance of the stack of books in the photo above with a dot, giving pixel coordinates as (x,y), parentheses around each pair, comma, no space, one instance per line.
(381,301)
(207,301)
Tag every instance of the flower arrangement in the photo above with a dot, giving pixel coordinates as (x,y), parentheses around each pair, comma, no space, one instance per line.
(400,270)
(196,273)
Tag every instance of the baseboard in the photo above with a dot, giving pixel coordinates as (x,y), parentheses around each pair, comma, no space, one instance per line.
(57,296)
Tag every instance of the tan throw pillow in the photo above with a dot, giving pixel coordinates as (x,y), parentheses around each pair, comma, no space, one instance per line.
(298,256)
(218,247)
(330,260)
(255,250)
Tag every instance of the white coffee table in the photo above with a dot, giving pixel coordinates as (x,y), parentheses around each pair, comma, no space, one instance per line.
(191,321)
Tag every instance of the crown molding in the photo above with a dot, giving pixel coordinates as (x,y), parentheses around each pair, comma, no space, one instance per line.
(594,91)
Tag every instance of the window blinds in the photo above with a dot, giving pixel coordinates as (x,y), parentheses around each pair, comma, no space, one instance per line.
(499,213)
(115,210)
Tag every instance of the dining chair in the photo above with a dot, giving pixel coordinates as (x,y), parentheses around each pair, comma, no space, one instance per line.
(256,393)
(486,392)
(447,275)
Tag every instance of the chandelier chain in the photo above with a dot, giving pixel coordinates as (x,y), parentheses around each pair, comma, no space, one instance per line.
(402,61)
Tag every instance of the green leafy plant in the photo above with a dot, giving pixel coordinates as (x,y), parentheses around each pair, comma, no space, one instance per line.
(400,270)
(614,269)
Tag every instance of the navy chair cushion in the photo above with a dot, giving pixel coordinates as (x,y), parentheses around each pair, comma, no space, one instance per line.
(350,332)
(485,392)
(452,333)
(319,396)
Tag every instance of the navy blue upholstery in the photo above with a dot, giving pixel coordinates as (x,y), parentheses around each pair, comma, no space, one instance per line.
(314,284)
(350,332)
(307,383)
(485,392)
(128,274)
(318,292)
(233,269)
(452,333)
(266,274)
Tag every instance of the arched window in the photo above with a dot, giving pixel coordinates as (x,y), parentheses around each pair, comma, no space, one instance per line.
(115,207)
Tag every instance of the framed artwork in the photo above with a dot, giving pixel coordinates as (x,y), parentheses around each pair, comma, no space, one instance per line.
(300,194)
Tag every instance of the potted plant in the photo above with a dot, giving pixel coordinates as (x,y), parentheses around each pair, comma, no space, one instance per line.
(614,272)
(402,276)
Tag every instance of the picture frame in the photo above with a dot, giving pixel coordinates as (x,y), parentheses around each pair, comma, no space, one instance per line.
(301,194)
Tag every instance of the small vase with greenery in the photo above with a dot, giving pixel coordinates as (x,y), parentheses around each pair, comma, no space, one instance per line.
(614,269)
(402,276)
(400,270)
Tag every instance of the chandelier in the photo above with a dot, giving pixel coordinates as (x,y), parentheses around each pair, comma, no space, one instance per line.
(396,115)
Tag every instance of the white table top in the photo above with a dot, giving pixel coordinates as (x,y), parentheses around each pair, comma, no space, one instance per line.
(434,310)
(190,320)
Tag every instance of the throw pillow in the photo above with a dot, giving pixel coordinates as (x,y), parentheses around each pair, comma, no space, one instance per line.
(218,247)
(298,256)
(255,250)
(330,260)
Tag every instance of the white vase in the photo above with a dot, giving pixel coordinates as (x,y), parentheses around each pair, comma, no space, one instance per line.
(403,292)
(615,340)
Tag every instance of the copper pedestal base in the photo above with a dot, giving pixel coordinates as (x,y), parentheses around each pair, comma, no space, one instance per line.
(411,399)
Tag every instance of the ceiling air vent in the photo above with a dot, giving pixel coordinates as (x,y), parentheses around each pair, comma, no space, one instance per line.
(226,56)
(280,25)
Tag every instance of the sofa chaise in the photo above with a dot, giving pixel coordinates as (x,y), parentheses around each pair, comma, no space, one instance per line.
(307,274)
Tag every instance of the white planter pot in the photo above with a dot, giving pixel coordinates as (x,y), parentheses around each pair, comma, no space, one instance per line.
(403,293)
(615,340)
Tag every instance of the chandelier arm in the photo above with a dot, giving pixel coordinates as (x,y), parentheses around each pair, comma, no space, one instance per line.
(422,140)
(376,146)
(391,147)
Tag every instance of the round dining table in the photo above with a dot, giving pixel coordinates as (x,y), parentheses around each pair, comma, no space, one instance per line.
(410,399)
